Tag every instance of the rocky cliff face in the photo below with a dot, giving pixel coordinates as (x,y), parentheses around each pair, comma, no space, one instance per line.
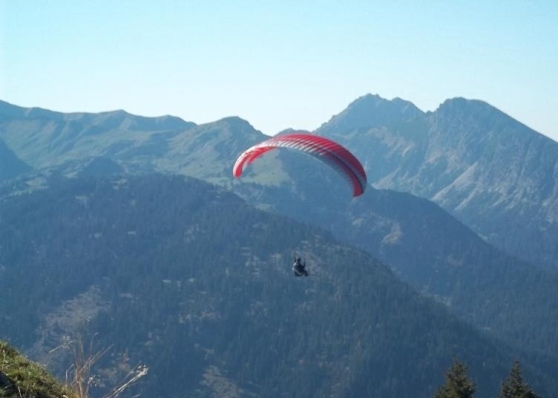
(489,170)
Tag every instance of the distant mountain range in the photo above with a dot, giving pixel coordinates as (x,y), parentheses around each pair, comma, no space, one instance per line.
(493,174)
(490,171)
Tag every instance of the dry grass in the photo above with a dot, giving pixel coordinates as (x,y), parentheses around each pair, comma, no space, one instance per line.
(22,378)
(79,377)
(26,378)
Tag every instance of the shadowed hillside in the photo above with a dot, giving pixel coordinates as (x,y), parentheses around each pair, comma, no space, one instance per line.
(196,284)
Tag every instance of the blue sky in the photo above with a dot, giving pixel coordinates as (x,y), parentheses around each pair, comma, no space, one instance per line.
(279,64)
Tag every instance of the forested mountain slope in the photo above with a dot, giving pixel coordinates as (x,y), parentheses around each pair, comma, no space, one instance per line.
(196,284)
(423,244)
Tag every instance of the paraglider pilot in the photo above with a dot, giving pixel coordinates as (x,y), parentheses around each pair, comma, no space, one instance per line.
(299,268)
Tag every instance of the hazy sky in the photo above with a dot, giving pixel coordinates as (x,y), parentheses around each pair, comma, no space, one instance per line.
(279,64)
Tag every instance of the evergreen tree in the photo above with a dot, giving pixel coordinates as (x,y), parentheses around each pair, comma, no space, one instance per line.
(515,387)
(458,384)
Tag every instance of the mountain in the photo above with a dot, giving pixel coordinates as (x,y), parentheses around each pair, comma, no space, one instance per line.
(505,297)
(426,247)
(10,165)
(490,171)
(372,110)
(485,168)
(65,142)
(193,282)
(46,139)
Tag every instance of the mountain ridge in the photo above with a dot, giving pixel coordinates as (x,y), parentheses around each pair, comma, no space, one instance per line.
(471,159)
(117,118)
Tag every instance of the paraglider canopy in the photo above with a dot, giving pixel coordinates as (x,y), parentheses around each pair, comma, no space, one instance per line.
(326,150)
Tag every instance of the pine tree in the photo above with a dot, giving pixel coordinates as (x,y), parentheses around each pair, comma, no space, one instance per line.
(515,387)
(458,384)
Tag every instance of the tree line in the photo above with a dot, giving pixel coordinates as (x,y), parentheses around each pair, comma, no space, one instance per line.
(458,384)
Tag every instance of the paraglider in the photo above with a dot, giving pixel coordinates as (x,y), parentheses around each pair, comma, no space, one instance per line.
(299,268)
(329,152)
(326,150)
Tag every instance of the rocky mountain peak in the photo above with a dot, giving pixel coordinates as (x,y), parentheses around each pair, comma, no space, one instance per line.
(456,107)
(372,111)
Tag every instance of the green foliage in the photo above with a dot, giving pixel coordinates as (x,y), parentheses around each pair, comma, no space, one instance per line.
(514,386)
(23,378)
(458,384)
